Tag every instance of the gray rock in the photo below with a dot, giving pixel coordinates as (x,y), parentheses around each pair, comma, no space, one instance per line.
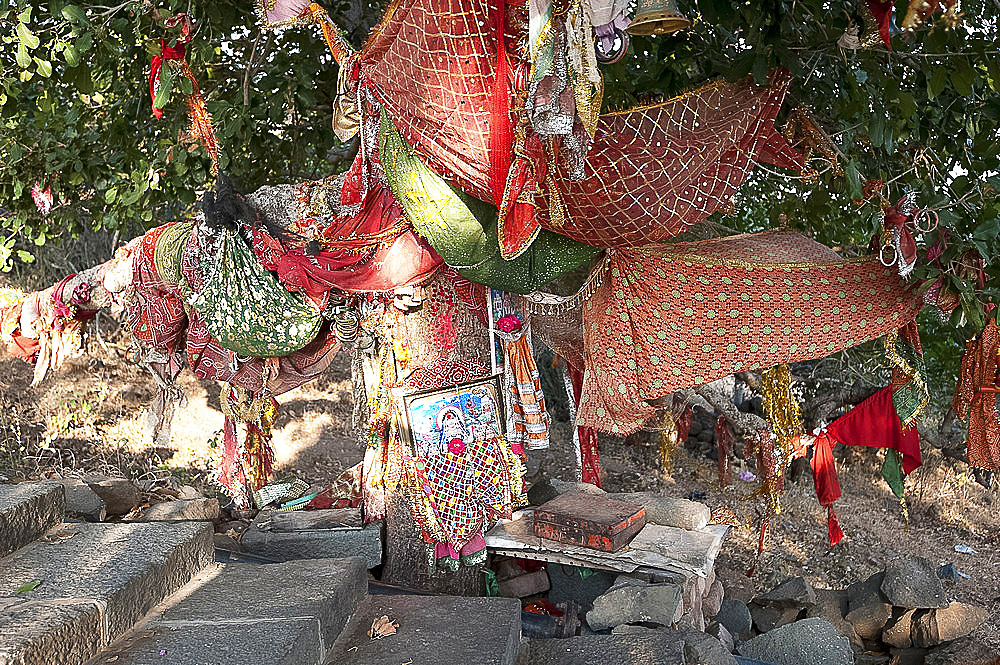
(314,534)
(527,584)
(583,585)
(865,591)
(806,642)
(830,602)
(433,629)
(721,633)
(735,616)
(27,511)
(703,649)
(963,651)
(653,647)
(912,582)
(562,487)
(869,609)
(712,601)
(119,495)
(182,511)
(188,492)
(228,543)
(869,620)
(907,656)
(655,603)
(668,511)
(944,625)
(770,617)
(82,501)
(793,592)
(832,605)
(96,580)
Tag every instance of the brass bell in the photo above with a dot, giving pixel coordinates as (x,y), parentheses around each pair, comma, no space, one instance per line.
(657,17)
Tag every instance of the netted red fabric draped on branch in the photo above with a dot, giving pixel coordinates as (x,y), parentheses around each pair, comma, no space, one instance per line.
(682,315)
(650,171)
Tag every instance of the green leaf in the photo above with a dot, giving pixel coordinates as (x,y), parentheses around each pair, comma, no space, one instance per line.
(962,77)
(166,86)
(22,57)
(937,82)
(74,14)
(44,67)
(853,180)
(111,195)
(26,37)
(70,55)
(28,586)
(25,257)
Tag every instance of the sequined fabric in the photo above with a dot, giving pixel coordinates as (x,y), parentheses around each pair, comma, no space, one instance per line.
(979,370)
(686,314)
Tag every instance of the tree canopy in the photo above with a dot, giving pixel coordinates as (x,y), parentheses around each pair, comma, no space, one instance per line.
(921,115)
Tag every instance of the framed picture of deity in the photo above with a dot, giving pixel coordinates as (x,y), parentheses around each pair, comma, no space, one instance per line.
(450,419)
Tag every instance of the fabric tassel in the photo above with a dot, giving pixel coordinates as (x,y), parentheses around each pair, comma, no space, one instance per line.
(827,484)
(724,446)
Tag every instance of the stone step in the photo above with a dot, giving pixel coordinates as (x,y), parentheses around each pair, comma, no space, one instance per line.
(433,630)
(650,647)
(313,534)
(27,511)
(272,614)
(96,581)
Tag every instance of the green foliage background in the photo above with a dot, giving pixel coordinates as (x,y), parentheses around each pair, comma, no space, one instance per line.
(75,110)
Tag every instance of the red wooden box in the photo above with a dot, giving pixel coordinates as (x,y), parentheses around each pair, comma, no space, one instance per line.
(589,520)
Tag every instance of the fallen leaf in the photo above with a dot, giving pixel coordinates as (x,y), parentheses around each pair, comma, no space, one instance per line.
(382,627)
(28,586)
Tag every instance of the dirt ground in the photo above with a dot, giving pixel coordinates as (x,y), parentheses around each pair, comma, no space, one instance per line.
(88,418)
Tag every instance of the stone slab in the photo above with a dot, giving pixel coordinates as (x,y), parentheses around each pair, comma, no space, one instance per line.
(273,614)
(49,632)
(655,647)
(432,630)
(290,642)
(27,511)
(312,536)
(96,582)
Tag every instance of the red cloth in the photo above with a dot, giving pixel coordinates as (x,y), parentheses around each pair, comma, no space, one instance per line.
(874,423)
(590,461)
(166,53)
(827,484)
(359,260)
(882,11)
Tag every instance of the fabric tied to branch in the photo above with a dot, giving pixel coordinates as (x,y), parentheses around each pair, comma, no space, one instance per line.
(166,53)
(976,396)
(677,316)
(463,230)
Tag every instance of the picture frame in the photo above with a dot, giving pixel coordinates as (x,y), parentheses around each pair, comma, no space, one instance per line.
(449,419)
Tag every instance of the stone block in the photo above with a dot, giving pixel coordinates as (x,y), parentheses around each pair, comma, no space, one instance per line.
(655,603)
(806,642)
(314,534)
(897,632)
(654,647)
(832,605)
(946,624)
(793,592)
(95,584)
(83,502)
(866,591)
(281,614)
(433,629)
(36,632)
(182,510)
(912,582)
(119,495)
(668,511)
(770,617)
(525,585)
(27,511)
(703,649)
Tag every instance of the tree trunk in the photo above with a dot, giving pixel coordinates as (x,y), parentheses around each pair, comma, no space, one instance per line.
(441,330)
